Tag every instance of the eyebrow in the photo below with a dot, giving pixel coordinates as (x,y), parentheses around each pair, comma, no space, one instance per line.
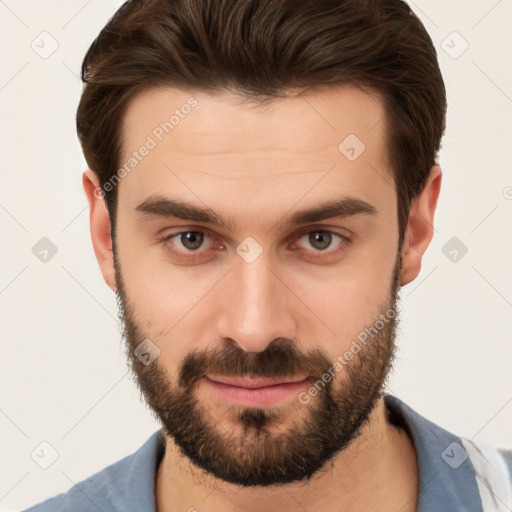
(159,206)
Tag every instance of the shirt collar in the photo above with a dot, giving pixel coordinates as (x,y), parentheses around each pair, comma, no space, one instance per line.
(442,487)
(447,480)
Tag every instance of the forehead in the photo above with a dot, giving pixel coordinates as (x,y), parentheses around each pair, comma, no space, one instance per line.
(331,140)
(321,118)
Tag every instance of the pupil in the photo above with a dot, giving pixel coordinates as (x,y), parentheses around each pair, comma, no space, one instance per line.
(192,239)
(322,237)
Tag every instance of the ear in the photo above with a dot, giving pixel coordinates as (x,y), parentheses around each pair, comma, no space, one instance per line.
(420,227)
(100,226)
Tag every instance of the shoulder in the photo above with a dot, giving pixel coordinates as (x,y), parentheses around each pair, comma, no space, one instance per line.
(129,480)
(485,457)
(89,494)
(492,466)
(456,473)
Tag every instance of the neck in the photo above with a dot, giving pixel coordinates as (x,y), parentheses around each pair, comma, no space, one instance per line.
(378,471)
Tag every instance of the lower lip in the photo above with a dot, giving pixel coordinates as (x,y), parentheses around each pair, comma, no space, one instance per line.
(256,397)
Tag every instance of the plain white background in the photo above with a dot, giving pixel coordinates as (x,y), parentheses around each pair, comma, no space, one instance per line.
(63,374)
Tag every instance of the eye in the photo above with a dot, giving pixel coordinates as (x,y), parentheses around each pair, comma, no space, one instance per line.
(321,239)
(191,240)
(192,244)
(186,243)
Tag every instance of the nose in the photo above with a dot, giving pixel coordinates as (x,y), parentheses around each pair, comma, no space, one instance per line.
(255,306)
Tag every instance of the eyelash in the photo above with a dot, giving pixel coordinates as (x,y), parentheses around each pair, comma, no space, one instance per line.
(193,255)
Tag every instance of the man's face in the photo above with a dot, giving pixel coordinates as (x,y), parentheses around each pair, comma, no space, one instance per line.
(313,301)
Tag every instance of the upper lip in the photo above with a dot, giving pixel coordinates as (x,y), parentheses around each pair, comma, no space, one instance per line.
(254,382)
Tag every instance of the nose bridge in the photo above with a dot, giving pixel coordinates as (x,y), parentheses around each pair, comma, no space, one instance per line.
(256,309)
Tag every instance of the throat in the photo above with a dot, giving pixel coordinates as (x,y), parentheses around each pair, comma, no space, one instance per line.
(384,454)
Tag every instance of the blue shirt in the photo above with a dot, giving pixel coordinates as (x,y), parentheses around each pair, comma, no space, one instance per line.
(450,477)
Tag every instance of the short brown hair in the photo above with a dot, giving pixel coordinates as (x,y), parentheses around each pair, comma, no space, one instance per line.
(260,50)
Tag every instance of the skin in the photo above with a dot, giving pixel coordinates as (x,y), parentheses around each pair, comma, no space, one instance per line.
(257,166)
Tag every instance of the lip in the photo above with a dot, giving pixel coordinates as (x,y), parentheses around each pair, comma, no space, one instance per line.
(255,382)
(255,392)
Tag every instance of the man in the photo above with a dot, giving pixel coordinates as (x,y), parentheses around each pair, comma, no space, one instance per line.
(263,179)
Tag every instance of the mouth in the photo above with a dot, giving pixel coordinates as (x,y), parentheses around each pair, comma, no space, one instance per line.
(255,391)
(255,382)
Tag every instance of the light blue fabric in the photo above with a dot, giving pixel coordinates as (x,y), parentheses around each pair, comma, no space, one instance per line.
(128,485)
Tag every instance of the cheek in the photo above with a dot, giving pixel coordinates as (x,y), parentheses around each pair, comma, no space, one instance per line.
(341,303)
(170,303)
(342,310)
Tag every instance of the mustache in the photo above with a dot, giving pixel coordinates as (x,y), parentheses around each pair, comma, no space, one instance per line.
(280,358)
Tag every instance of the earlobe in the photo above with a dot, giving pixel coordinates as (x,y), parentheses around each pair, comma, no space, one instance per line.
(100,226)
(420,227)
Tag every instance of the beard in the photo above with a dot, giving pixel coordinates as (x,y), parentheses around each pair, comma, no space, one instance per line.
(269,445)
